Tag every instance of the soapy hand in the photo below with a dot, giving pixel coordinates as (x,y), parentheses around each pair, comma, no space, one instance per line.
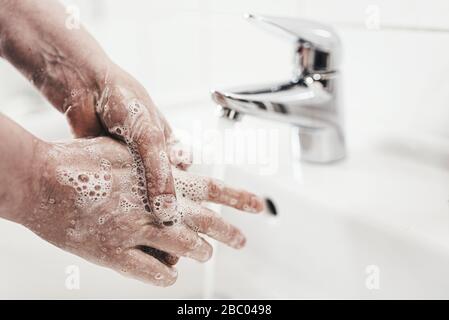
(99,98)
(93,203)
(124,110)
(112,205)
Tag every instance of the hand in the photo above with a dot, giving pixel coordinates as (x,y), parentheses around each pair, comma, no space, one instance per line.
(78,78)
(125,111)
(92,203)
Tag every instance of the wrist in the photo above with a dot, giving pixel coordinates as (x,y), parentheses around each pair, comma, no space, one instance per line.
(21,168)
(62,63)
(33,178)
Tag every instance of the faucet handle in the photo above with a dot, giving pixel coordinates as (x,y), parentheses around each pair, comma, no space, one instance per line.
(317,45)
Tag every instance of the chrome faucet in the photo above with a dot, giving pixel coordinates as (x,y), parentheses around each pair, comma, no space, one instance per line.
(309,101)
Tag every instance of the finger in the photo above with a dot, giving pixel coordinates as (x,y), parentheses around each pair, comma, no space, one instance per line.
(198,188)
(210,223)
(150,144)
(144,267)
(142,130)
(180,156)
(237,198)
(162,256)
(177,240)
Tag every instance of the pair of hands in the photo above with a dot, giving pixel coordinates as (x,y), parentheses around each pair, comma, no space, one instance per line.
(92,202)
(153,210)
(123,201)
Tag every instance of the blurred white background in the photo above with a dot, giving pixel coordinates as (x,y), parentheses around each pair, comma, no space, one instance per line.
(395,82)
(180,49)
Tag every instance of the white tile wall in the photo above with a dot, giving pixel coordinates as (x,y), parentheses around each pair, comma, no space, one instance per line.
(399,13)
(396,80)
(180,49)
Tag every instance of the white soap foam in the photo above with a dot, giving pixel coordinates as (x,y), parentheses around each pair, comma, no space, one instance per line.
(91,187)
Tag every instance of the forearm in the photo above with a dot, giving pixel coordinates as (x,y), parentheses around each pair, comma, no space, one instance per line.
(20,161)
(62,63)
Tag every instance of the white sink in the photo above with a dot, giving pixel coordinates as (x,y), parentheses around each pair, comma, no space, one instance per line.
(375,225)
(331,230)
(382,212)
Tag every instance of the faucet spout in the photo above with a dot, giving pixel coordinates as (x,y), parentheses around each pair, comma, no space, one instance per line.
(309,105)
(290,102)
(310,101)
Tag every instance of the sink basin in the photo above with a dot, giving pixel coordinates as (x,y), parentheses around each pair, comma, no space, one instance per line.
(375,225)
(333,229)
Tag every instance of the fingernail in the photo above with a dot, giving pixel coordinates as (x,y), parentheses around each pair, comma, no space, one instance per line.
(202,252)
(165,281)
(239,241)
(205,253)
(255,205)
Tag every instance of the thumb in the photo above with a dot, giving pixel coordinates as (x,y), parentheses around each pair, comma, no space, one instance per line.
(151,146)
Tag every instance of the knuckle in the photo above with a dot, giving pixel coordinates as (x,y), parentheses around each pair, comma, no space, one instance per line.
(214,189)
(205,222)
